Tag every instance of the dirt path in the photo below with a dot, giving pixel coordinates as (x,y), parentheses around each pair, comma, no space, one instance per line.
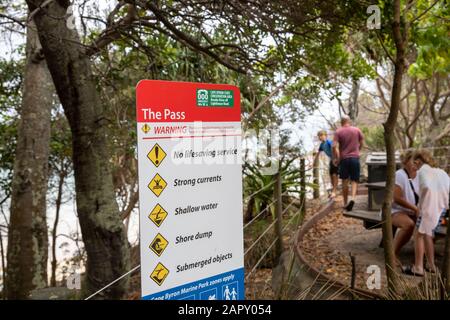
(328,245)
(259,284)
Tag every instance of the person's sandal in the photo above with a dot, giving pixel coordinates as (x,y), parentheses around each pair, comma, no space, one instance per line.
(408,270)
(427,269)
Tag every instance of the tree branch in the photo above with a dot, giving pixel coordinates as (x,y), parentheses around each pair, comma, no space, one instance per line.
(114,30)
(131,205)
(267,98)
(424,12)
(384,48)
(20,22)
(41,6)
(185,38)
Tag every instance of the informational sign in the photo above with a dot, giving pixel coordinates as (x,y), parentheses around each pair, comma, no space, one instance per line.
(190,191)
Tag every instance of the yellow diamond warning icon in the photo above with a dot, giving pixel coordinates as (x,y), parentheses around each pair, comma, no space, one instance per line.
(157,185)
(158,215)
(159,274)
(145,128)
(159,244)
(156,155)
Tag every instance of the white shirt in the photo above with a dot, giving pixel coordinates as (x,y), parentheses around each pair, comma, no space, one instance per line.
(434,191)
(401,180)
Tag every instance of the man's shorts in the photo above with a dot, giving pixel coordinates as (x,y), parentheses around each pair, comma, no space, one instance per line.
(419,220)
(333,169)
(349,169)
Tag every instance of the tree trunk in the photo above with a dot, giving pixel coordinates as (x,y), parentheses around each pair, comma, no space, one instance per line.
(389,138)
(249,211)
(103,232)
(446,263)
(302,190)
(316,177)
(353,104)
(2,253)
(278,214)
(62,176)
(27,236)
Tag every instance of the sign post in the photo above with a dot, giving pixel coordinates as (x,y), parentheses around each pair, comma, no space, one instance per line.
(190,191)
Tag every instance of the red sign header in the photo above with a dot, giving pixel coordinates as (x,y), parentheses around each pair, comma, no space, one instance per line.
(169,101)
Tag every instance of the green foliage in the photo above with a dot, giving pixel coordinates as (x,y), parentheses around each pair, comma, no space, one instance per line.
(261,186)
(322,59)
(374,137)
(428,38)
(432,41)
(60,158)
(10,91)
(10,84)
(8,142)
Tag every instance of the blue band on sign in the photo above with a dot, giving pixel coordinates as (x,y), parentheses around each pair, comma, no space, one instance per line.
(225,286)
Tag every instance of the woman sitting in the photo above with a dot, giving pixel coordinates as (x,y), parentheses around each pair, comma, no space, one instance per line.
(434,189)
(404,207)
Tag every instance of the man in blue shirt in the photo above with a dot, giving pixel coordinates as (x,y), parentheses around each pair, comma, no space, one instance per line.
(326,146)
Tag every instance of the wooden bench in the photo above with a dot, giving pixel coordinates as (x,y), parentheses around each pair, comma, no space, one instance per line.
(372,220)
(377,185)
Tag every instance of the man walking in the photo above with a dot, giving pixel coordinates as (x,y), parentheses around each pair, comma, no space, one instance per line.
(348,142)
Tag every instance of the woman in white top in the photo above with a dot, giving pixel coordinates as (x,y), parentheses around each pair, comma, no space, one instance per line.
(404,207)
(434,189)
